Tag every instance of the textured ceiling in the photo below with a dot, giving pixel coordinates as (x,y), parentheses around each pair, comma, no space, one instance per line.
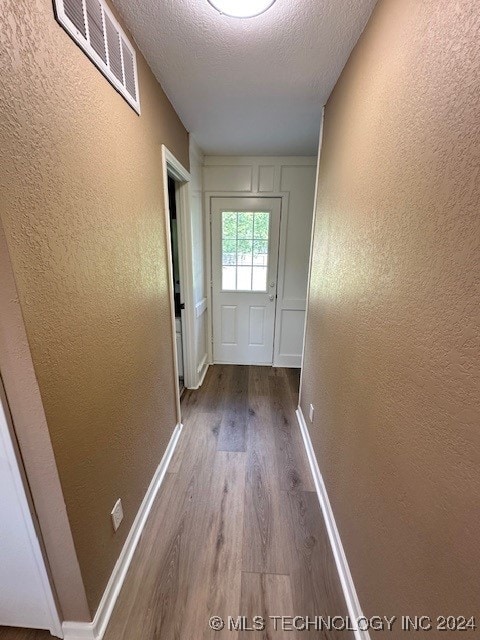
(253,86)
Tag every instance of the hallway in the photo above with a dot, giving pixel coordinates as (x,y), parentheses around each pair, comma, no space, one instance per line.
(244,534)
(236,529)
(266,184)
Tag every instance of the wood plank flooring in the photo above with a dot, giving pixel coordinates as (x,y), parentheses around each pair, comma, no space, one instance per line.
(9,633)
(236,529)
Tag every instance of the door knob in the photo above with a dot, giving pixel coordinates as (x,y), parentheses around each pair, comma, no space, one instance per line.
(272,297)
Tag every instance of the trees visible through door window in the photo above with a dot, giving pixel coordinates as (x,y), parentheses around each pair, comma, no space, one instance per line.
(245,237)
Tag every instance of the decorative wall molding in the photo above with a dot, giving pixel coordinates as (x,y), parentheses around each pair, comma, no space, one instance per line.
(96,629)
(202,370)
(228,177)
(200,307)
(291,178)
(349,591)
(202,365)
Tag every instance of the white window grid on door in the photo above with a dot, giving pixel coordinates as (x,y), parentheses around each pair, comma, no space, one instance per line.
(244,250)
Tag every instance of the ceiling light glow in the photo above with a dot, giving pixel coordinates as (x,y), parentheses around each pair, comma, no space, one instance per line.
(241,8)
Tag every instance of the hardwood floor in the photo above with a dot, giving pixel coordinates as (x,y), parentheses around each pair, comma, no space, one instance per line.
(236,529)
(9,633)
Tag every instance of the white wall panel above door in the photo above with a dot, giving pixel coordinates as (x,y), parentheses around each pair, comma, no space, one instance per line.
(266,179)
(228,178)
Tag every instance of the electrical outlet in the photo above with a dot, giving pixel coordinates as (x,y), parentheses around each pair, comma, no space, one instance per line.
(311,413)
(117,514)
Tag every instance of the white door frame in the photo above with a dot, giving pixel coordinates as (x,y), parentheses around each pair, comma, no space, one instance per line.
(173,168)
(24,500)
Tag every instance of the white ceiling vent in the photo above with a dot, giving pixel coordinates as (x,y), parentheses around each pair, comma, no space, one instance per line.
(92,25)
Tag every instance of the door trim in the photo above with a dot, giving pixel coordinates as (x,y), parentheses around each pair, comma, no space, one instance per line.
(23,496)
(173,168)
(310,259)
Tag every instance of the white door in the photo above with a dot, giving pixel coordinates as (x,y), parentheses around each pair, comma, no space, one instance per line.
(26,598)
(245,236)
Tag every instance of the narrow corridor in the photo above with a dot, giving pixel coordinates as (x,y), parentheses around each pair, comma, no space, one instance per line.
(237,528)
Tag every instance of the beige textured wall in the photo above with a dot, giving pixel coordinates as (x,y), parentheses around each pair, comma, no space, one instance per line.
(392,361)
(82,210)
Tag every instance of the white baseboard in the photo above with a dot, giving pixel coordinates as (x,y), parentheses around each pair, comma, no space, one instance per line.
(96,629)
(349,591)
(78,631)
(289,362)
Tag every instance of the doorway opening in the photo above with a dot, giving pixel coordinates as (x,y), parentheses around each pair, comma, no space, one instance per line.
(180,271)
(179,304)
